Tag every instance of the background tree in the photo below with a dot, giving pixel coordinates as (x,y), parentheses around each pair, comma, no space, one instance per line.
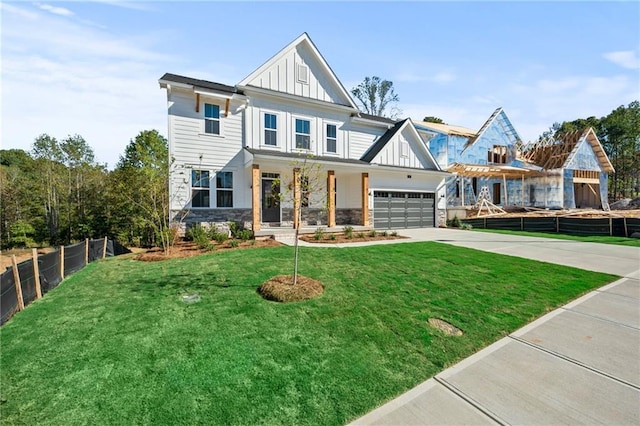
(139,194)
(377,97)
(432,119)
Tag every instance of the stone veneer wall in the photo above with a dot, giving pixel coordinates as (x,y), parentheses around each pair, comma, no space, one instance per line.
(317,217)
(218,217)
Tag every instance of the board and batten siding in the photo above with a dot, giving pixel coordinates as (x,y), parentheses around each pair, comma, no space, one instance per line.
(392,154)
(282,77)
(191,148)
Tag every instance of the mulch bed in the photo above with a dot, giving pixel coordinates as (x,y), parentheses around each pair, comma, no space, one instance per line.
(189,249)
(341,238)
(281,289)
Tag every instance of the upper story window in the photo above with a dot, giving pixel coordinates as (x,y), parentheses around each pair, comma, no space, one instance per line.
(224,189)
(270,129)
(332,138)
(303,134)
(200,192)
(212,119)
(498,154)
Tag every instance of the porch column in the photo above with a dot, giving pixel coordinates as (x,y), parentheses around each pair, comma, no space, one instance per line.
(462,189)
(296,197)
(504,179)
(365,199)
(255,197)
(522,200)
(331,198)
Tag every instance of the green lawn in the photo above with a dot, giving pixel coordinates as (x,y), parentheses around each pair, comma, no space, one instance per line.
(114,344)
(621,241)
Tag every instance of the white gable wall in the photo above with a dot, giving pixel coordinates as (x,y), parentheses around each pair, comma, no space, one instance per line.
(282,76)
(392,154)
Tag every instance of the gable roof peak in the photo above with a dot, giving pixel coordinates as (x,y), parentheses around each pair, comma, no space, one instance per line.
(305,39)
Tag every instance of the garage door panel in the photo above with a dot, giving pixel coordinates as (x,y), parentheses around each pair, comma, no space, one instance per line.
(403,209)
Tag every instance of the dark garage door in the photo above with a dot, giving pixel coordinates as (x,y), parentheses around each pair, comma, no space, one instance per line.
(392,210)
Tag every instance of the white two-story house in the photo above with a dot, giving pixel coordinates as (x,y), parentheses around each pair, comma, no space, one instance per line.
(235,149)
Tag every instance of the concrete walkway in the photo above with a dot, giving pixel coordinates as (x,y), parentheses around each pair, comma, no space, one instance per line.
(579,364)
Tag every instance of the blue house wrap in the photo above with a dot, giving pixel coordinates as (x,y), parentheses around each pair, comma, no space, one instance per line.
(568,172)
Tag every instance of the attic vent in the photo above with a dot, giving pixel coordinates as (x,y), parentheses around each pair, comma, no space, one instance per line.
(302,73)
(404,149)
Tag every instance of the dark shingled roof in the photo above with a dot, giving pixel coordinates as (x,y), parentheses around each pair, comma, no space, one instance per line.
(301,156)
(376,118)
(204,84)
(380,143)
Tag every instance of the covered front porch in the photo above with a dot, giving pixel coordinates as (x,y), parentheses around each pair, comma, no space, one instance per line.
(286,190)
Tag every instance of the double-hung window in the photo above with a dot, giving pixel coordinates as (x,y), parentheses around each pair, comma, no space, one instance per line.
(224,189)
(303,134)
(212,119)
(332,138)
(270,129)
(200,192)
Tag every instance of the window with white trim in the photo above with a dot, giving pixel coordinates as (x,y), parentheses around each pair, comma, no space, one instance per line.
(270,129)
(212,119)
(224,189)
(200,192)
(331,138)
(303,134)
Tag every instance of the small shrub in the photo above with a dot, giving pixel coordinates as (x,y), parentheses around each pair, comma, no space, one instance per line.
(220,237)
(384,233)
(212,231)
(244,234)
(332,237)
(318,234)
(234,243)
(196,232)
(234,228)
(454,223)
(394,234)
(348,231)
(466,226)
(360,235)
(373,233)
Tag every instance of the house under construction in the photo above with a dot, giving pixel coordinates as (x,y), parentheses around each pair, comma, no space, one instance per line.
(570,171)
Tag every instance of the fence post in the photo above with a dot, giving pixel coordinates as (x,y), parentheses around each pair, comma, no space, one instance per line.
(522,223)
(611,226)
(104,248)
(36,273)
(16,279)
(626,230)
(485,222)
(62,262)
(557,224)
(86,251)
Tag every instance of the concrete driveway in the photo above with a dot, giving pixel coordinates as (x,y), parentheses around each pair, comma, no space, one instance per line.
(579,364)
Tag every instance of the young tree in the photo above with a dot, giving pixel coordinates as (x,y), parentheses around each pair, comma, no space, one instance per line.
(303,189)
(377,97)
(49,160)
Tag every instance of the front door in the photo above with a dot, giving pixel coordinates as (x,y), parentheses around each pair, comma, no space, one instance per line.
(270,200)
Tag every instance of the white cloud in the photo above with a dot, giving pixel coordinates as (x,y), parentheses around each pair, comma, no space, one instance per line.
(55,10)
(62,77)
(441,77)
(624,58)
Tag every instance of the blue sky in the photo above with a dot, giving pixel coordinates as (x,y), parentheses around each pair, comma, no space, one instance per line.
(92,68)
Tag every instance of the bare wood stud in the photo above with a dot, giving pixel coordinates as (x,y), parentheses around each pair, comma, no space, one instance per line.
(197,102)
(36,272)
(16,279)
(331,198)
(226,108)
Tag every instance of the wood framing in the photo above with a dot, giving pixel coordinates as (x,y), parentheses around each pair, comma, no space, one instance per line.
(365,199)
(331,198)
(255,197)
(296,198)
(226,108)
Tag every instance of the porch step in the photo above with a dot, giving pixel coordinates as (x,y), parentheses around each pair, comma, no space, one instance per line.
(289,233)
